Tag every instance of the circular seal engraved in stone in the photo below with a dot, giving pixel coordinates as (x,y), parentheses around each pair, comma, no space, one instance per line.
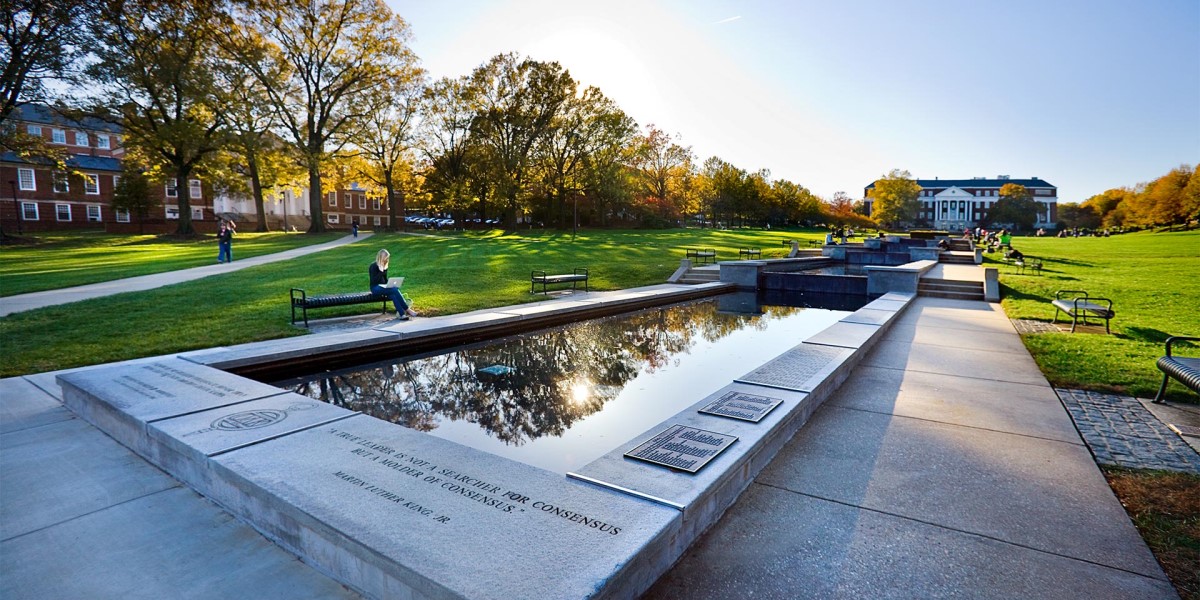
(250,419)
(302,406)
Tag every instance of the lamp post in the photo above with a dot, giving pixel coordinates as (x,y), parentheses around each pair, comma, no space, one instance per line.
(575,225)
(16,205)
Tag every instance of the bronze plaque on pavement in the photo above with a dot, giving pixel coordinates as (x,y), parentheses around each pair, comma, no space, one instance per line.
(739,405)
(682,448)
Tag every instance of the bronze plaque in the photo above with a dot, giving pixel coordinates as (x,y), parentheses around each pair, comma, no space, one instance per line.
(682,448)
(739,405)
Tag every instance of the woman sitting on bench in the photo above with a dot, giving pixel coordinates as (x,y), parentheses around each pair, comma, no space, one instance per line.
(380,287)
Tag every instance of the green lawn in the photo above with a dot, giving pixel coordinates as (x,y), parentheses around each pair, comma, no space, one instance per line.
(445,274)
(67,259)
(1154,282)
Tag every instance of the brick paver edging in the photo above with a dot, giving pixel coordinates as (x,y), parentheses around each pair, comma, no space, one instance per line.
(1121,432)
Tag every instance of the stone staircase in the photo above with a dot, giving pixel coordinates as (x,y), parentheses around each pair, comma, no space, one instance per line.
(954,290)
(705,274)
(960,253)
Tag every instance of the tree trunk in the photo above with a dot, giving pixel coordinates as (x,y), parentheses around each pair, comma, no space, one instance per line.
(390,186)
(256,189)
(315,197)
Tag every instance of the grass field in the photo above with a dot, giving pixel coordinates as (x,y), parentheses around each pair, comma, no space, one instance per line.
(67,259)
(445,274)
(1154,282)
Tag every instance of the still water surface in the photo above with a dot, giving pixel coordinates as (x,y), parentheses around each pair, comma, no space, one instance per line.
(562,397)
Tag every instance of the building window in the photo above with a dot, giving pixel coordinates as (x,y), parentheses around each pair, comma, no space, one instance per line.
(35,130)
(62,212)
(172,190)
(81,138)
(173,212)
(58,136)
(62,183)
(122,215)
(93,213)
(91,184)
(362,203)
(25,180)
(116,181)
(333,198)
(375,205)
(29,211)
(194,188)
(332,218)
(102,141)
(378,221)
(198,214)
(349,201)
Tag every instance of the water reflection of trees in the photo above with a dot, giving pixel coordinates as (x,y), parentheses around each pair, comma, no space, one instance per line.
(553,378)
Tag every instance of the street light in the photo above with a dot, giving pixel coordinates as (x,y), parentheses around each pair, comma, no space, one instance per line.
(575,226)
(16,205)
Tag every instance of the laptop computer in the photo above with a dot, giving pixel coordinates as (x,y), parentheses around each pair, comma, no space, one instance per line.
(395,282)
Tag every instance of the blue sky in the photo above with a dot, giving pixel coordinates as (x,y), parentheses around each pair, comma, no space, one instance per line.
(831,95)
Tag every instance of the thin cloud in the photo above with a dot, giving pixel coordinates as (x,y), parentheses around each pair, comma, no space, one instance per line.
(729,20)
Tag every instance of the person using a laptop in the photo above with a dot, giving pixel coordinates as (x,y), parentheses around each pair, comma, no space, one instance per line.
(388,288)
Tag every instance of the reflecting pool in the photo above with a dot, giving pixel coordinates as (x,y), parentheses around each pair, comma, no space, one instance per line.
(560,398)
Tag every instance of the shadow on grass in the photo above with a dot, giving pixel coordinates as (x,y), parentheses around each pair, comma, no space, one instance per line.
(1014,294)
(1144,334)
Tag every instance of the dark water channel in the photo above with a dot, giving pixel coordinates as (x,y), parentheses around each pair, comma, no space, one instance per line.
(562,397)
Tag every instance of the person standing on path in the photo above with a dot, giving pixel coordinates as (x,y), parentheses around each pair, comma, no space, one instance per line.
(225,242)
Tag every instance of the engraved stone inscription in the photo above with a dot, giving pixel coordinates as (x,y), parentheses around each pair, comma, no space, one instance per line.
(793,369)
(739,405)
(683,448)
(419,474)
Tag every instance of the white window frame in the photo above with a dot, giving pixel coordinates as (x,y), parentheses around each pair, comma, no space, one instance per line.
(376,204)
(81,138)
(34,130)
(197,214)
(102,141)
(332,218)
(333,198)
(378,221)
(122,215)
(26,211)
(349,201)
(58,212)
(116,182)
(171,189)
(362,202)
(26,180)
(172,213)
(91,184)
(195,190)
(59,177)
(94,213)
(58,136)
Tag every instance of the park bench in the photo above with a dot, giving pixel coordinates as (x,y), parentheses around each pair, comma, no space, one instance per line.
(702,255)
(1078,305)
(573,278)
(1032,264)
(750,253)
(1184,369)
(304,302)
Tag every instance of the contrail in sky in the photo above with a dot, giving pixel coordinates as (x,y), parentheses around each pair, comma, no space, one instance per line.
(729,20)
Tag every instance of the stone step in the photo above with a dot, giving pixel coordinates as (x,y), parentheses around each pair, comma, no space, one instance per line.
(955,260)
(951,295)
(950,285)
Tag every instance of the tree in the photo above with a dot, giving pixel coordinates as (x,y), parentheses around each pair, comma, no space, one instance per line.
(659,162)
(332,55)
(388,136)
(1014,208)
(133,193)
(518,103)
(839,211)
(896,198)
(444,138)
(41,41)
(1078,215)
(155,66)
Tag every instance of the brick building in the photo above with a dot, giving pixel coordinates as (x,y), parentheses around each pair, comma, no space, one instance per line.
(45,199)
(956,204)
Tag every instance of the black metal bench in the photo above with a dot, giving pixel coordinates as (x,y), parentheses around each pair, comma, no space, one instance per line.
(1081,306)
(1184,369)
(750,253)
(1032,264)
(702,255)
(304,302)
(574,277)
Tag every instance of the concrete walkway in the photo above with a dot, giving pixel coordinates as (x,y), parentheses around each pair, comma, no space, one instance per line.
(944,466)
(24,302)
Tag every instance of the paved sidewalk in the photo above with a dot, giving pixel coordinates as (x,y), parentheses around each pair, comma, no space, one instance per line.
(24,302)
(945,466)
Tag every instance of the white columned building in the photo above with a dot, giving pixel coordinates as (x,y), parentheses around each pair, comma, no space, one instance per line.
(957,204)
